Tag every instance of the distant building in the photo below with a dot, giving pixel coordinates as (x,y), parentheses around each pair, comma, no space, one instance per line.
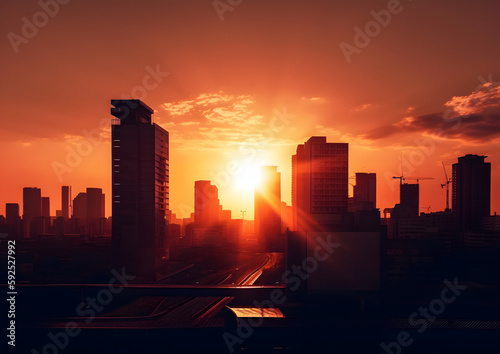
(46,207)
(365,191)
(95,211)
(206,203)
(409,199)
(80,208)
(140,188)
(319,184)
(32,212)
(267,211)
(12,220)
(65,200)
(471,191)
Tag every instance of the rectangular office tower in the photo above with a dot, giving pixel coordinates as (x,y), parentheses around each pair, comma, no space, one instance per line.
(206,204)
(471,191)
(140,191)
(32,212)
(267,210)
(319,184)
(65,201)
(365,191)
(409,199)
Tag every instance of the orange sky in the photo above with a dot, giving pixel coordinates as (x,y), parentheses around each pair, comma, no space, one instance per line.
(246,90)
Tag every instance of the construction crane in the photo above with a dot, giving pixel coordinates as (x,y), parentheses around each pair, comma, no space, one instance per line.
(403,178)
(419,178)
(447,185)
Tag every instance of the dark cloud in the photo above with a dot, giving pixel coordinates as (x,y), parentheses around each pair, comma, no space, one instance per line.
(475,128)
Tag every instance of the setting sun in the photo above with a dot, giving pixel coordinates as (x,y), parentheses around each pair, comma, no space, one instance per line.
(248,177)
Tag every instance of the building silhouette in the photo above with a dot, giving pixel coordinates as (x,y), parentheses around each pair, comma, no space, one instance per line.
(140,188)
(409,196)
(12,220)
(471,191)
(95,211)
(80,208)
(32,212)
(364,192)
(46,207)
(65,200)
(267,209)
(206,204)
(319,184)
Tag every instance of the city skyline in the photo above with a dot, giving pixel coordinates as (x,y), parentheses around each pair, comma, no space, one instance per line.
(57,209)
(286,81)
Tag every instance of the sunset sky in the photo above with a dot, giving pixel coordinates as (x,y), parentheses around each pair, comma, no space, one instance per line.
(244,87)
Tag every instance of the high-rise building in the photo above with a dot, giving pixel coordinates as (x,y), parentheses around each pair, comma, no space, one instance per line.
(140,188)
(32,211)
(409,199)
(12,219)
(320,183)
(46,207)
(65,200)
(80,208)
(471,191)
(206,203)
(95,211)
(267,209)
(46,222)
(365,190)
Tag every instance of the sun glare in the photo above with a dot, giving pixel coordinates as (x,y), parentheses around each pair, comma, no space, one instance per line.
(248,178)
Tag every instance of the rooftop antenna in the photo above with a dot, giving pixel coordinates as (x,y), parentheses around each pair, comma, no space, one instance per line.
(243,213)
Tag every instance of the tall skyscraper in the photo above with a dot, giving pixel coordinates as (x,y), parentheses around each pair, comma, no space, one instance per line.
(365,190)
(32,212)
(471,191)
(267,209)
(65,200)
(206,203)
(140,190)
(319,184)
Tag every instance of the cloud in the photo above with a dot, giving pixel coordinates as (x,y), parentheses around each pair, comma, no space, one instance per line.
(212,120)
(487,95)
(363,107)
(470,119)
(313,99)
(178,108)
(190,123)
(476,128)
